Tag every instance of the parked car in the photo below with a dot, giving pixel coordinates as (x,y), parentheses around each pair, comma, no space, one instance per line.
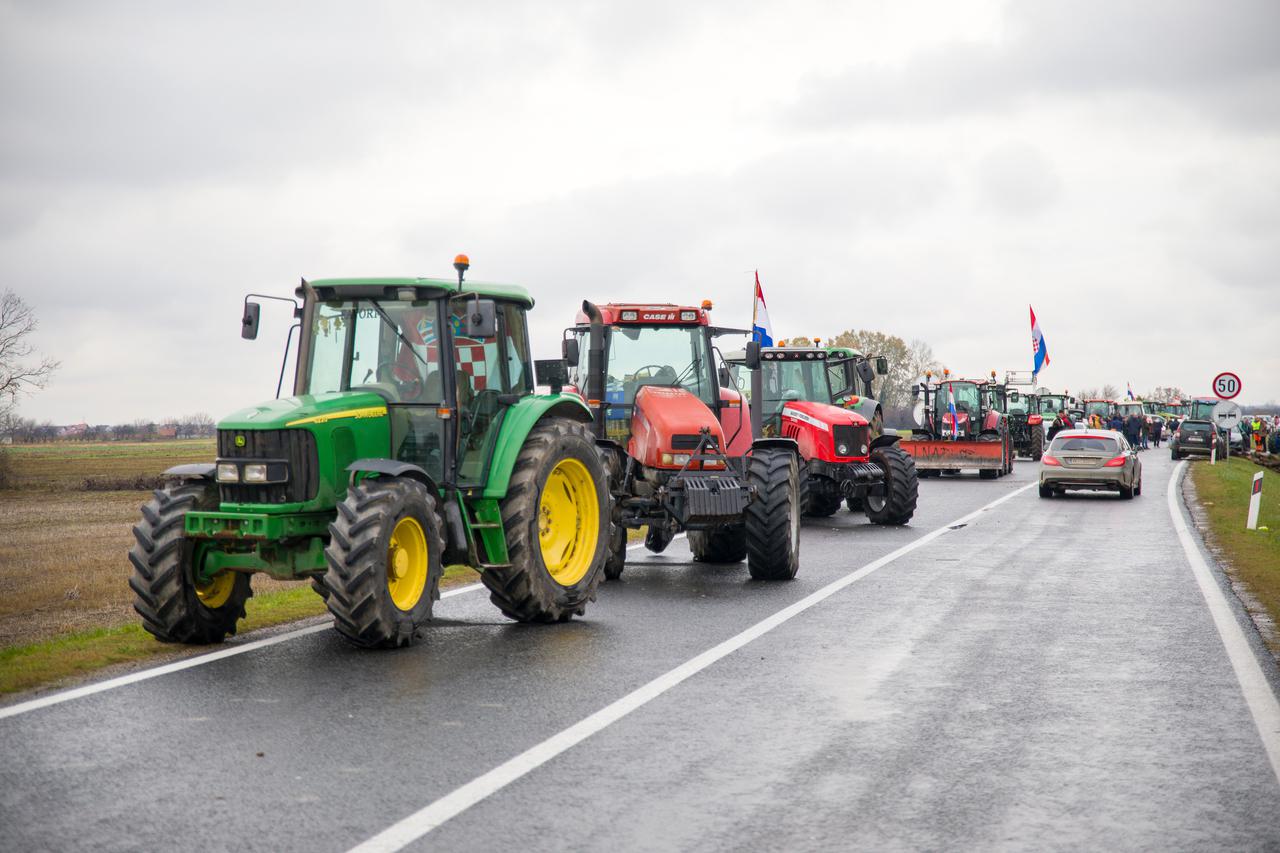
(1090,459)
(1196,438)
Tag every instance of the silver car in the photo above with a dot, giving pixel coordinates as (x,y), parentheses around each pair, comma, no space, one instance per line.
(1094,459)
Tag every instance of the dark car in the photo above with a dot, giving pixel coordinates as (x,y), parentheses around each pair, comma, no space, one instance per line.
(1196,438)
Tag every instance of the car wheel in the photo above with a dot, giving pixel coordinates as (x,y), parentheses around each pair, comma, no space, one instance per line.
(1046,492)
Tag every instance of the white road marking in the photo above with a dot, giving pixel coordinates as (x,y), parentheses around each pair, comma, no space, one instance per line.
(1262,702)
(178,666)
(420,823)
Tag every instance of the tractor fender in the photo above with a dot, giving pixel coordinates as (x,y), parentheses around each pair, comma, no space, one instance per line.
(779,443)
(517,421)
(454,528)
(192,471)
(392,468)
(885,440)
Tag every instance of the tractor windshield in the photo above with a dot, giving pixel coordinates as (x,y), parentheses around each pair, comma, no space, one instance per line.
(1101,408)
(388,348)
(673,356)
(1051,405)
(965,395)
(785,381)
(1019,406)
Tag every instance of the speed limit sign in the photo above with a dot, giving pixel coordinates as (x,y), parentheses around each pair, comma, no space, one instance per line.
(1226,386)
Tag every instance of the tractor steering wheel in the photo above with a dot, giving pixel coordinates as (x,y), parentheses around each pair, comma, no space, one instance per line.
(392,371)
(656,371)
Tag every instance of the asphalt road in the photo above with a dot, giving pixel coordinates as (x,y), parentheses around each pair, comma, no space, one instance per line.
(1047,675)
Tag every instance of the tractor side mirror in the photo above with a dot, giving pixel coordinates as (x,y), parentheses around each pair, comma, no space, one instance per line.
(726,378)
(553,372)
(482,318)
(249,322)
(569,349)
(915,392)
(865,372)
(752,360)
(882,365)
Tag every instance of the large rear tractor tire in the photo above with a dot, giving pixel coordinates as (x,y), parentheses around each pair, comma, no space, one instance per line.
(175,607)
(726,544)
(384,569)
(898,503)
(1037,443)
(556,516)
(773,518)
(615,559)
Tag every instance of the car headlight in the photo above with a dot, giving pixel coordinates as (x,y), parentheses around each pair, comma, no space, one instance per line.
(229,473)
(255,473)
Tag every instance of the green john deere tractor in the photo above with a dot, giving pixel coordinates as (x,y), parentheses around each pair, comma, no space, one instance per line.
(414,439)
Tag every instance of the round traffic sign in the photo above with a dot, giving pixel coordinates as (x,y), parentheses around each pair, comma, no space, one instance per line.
(1227,415)
(1226,386)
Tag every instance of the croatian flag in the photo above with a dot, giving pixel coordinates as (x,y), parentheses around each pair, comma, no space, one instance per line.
(761,328)
(1038,348)
(955,423)
(1129,390)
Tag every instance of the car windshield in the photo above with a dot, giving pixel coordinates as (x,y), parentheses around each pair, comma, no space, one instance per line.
(965,395)
(1084,443)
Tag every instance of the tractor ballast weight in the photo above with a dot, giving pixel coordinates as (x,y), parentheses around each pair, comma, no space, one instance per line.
(679,453)
(413,439)
(976,438)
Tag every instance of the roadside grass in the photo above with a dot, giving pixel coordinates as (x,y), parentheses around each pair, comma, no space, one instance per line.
(75,654)
(1253,556)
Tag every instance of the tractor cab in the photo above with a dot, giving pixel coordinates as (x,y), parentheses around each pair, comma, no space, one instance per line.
(856,373)
(1102,408)
(959,426)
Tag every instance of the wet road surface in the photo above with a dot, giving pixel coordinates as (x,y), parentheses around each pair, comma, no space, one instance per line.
(1047,674)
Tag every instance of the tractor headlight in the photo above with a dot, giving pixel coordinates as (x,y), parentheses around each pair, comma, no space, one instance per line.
(228,473)
(842,449)
(675,459)
(255,473)
(864,450)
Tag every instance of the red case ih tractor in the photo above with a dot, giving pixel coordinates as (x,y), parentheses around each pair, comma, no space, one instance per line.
(792,397)
(677,446)
(977,436)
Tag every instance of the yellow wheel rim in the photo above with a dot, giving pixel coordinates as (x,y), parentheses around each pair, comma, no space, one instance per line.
(407,563)
(568,522)
(217,590)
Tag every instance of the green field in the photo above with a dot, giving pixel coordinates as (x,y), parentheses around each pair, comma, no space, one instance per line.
(65,603)
(1253,556)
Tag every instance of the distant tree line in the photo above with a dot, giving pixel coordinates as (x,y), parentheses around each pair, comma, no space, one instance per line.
(21,430)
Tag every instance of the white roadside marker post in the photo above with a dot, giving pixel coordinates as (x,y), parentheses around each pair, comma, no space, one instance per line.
(1213,450)
(1255,501)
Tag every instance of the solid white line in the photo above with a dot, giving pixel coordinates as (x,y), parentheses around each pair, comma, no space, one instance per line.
(178,666)
(420,823)
(1262,702)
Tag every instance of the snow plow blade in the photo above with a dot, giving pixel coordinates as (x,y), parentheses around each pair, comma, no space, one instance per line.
(951,455)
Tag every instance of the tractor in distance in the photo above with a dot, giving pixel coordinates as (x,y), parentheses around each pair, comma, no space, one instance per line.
(958,429)
(413,439)
(1026,424)
(677,446)
(798,392)
(1102,408)
(852,374)
(1049,404)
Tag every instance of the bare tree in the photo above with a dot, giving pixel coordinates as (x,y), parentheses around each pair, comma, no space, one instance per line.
(1110,392)
(22,370)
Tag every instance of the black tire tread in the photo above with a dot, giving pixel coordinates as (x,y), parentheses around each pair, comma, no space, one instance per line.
(774,473)
(902,483)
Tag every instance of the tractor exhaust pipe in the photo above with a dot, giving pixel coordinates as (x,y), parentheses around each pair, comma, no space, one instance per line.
(595,366)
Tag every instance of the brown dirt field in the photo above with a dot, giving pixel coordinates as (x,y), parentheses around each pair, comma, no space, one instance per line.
(63,563)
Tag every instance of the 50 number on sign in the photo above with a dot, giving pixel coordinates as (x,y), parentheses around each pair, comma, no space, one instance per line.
(1226,385)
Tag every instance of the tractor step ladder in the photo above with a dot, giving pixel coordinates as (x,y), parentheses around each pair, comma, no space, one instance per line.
(472,527)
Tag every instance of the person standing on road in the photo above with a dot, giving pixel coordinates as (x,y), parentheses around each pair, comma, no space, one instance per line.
(1133,431)
(1157,427)
(1146,433)
(1061,422)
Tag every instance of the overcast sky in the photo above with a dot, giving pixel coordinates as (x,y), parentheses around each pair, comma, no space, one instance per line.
(925,169)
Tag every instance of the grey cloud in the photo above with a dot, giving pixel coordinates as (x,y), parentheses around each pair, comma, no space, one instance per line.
(1018,181)
(1222,58)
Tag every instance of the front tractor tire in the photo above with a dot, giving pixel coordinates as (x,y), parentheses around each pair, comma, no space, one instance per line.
(384,562)
(176,607)
(616,550)
(727,544)
(557,519)
(902,486)
(773,518)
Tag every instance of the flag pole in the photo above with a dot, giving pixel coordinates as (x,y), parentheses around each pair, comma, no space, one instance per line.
(754,305)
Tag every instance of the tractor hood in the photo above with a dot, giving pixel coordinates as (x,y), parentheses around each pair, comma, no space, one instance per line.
(821,415)
(307,409)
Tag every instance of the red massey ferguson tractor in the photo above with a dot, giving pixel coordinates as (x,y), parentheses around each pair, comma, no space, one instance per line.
(677,446)
(793,396)
(976,436)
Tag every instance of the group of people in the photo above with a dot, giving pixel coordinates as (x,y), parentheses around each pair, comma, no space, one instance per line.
(1257,432)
